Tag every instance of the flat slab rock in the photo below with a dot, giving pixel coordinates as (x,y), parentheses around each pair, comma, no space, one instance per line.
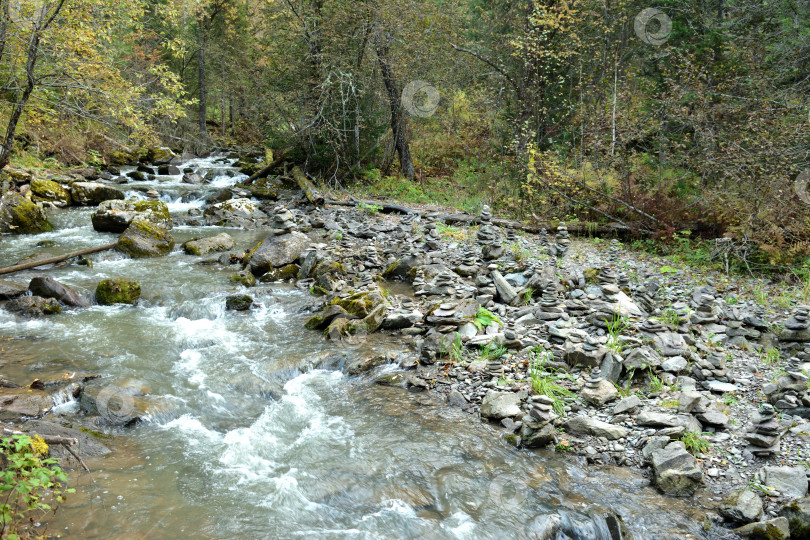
(585,425)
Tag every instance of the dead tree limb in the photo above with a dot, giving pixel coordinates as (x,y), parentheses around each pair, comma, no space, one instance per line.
(52,260)
(313,195)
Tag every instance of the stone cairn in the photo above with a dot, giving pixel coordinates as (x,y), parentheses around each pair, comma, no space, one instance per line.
(431,234)
(705,310)
(511,236)
(563,240)
(550,309)
(797,326)
(283,222)
(469,264)
(763,438)
(488,237)
(614,253)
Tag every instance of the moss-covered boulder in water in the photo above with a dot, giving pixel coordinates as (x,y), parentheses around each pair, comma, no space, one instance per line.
(145,239)
(117,290)
(18,215)
(281,274)
(34,306)
(119,157)
(116,215)
(244,278)
(93,193)
(49,191)
(203,246)
(238,302)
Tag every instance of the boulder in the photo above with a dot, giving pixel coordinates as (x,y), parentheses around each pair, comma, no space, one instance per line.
(192,178)
(627,404)
(404,268)
(49,191)
(203,246)
(600,394)
(117,290)
(88,446)
(116,405)
(772,529)
(586,425)
(742,507)
(499,405)
(160,155)
(11,289)
(145,239)
(676,470)
(93,193)
(238,302)
(116,215)
(119,157)
(34,306)
(18,215)
(798,515)
(641,358)
(648,418)
(169,170)
(241,213)
(791,482)
(48,287)
(277,251)
(19,403)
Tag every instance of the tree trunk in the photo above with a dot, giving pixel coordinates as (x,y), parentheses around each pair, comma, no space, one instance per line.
(201,76)
(397,120)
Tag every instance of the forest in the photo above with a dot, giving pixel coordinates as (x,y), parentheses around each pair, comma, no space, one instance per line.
(687,117)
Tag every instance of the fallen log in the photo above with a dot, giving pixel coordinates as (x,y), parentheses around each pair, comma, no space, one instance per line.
(270,168)
(386,207)
(313,195)
(53,260)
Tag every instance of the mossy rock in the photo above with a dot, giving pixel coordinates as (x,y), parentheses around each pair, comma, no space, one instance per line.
(49,191)
(328,268)
(243,278)
(238,302)
(34,306)
(117,290)
(116,216)
(360,304)
(145,239)
(284,273)
(18,215)
(591,274)
(260,192)
(119,157)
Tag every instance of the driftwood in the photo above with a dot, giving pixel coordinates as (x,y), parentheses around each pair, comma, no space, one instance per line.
(313,195)
(52,260)
(66,442)
(386,207)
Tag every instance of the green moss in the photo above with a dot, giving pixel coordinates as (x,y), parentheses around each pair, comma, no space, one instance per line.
(158,241)
(117,290)
(284,273)
(51,308)
(390,270)
(48,190)
(96,434)
(244,278)
(158,209)
(118,157)
(328,267)
(591,274)
(26,217)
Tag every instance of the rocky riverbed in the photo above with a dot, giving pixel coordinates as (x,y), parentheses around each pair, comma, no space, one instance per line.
(608,357)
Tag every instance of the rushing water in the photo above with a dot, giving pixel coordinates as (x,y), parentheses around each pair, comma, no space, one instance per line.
(254,432)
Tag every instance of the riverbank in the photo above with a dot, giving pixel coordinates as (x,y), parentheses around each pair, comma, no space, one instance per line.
(503,325)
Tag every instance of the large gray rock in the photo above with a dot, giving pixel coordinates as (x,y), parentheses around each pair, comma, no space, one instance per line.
(18,403)
(47,287)
(585,425)
(116,215)
(648,418)
(676,471)
(742,507)
(144,239)
(798,515)
(18,215)
(203,246)
(627,404)
(87,446)
(278,251)
(34,306)
(600,394)
(500,405)
(791,482)
(507,293)
(241,213)
(11,289)
(93,193)
(772,529)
